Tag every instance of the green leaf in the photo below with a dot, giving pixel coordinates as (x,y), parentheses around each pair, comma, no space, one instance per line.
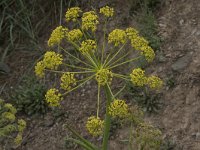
(82,144)
(86,142)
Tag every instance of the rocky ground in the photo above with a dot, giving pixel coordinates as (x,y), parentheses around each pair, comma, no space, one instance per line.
(179,24)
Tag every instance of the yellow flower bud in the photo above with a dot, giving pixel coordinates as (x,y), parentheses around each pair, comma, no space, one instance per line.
(95,126)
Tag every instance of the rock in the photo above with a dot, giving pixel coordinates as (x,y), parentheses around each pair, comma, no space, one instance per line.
(181,63)
(196,135)
(4,69)
(49,123)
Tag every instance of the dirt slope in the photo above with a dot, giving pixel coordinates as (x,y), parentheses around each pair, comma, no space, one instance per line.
(179,24)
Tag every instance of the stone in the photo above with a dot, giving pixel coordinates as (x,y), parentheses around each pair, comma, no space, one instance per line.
(181,63)
(4,69)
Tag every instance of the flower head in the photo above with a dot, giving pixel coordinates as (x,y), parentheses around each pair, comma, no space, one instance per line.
(154,82)
(21,125)
(95,126)
(10,108)
(117,37)
(67,81)
(131,33)
(138,77)
(53,97)
(118,108)
(18,138)
(88,46)
(74,35)
(52,60)
(89,21)
(39,69)
(8,129)
(9,116)
(139,42)
(148,53)
(104,76)
(107,11)
(72,14)
(57,35)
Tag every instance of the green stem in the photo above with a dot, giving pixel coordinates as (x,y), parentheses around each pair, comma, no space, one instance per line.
(107,119)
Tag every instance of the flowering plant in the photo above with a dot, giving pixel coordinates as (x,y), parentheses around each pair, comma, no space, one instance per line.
(98,63)
(10,126)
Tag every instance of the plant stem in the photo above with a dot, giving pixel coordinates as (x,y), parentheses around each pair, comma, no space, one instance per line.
(107,119)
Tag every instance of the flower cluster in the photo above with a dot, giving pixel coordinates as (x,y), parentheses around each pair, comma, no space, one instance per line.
(67,81)
(107,11)
(140,43)
(117,37)
(104,76)
(90,21)
(118,108)
(10,108)
(8,116)
(138,77)
(57,35)
(21,125)
(52,60)
(72,14)
(53,97)
(148,136)
(39,69)
(131,33)
(9,124)
(154,82)
(74,35)
(95,126)
(88,46)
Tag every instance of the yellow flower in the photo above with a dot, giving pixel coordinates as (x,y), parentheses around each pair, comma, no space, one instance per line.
(88,46)
(67,81)
(139,42)
(10,108)
(118,108)
(8,129)
(53,97)
(9,116)
(131,33)
(21,125)
(18,138)
(154,82)
(89,21)
(52,60)
(148,53)
(138,77)
(72,13)
(107,11)
(39,69)
(117,37)
(74,35)
(57,35)
(95,126)
(104,76)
